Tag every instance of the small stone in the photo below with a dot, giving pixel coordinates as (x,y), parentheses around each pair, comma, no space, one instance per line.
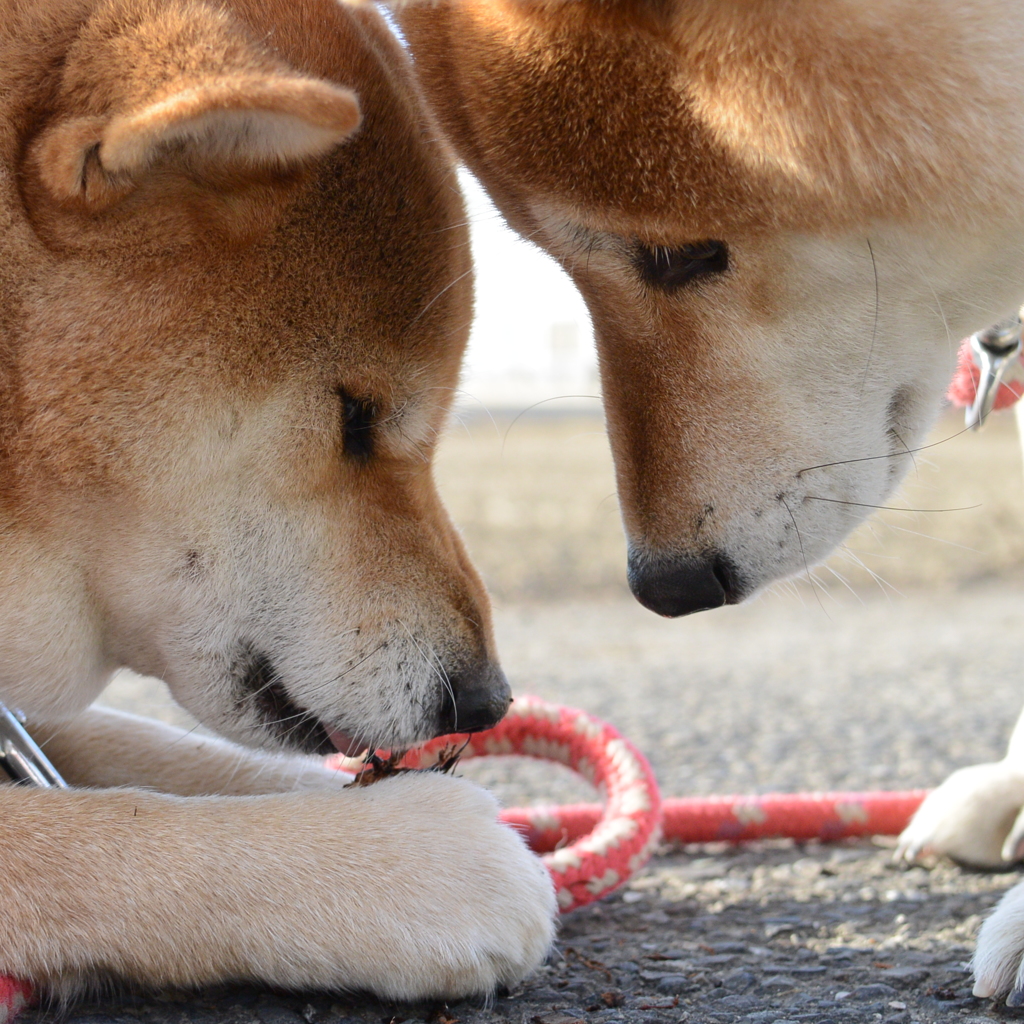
(906,977)
(739,980)
(557,1017)
(545,995)
(739,1002)
(730,947)
(780,983)
(657,1004)
(674,984)
(863,993)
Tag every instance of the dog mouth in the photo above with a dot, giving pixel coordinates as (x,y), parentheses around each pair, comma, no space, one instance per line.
(260,691)
(347,745)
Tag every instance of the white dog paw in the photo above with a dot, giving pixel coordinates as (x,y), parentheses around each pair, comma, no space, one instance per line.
(998,962)
(974,817)
(469,908)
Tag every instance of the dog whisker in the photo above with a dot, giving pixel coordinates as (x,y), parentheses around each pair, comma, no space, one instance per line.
(844,581)
(874,327)
(888,508)
(432,660)
(522,412)
(888,455)
(800,542)
(932,537)
(445,289)
(883,584)
(895,433)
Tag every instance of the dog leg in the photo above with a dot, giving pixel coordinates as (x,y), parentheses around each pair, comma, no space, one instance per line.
(409,888)
(975,815)
(105,748)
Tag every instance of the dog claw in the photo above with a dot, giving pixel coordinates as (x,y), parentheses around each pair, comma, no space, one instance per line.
(983,989)
(1015,998)
(906,853)
(1013,846)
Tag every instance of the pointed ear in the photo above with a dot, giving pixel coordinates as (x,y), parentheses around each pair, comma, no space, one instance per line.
(228,123)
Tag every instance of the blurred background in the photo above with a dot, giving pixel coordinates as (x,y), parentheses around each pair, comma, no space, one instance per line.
(894,663)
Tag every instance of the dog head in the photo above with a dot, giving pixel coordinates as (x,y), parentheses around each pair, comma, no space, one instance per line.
(235,293)
(782,216)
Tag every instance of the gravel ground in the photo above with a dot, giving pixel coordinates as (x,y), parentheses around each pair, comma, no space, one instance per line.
(785,693)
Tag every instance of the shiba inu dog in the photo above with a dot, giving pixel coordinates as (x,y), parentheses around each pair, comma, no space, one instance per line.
(783,215)
(235,295)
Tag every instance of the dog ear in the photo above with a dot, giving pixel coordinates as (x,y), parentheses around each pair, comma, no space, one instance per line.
(229,123)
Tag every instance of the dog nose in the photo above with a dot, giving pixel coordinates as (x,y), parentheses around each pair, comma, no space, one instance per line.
(683,584)
(478,699)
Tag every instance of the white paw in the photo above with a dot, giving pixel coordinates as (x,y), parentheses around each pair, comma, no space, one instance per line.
(999,959)
(974,817)
(468,908)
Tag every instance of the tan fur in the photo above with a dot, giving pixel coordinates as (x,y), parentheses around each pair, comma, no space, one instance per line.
(227,227)
(860,160)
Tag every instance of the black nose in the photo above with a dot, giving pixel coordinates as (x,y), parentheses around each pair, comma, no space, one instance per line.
(475,698)
(680,585)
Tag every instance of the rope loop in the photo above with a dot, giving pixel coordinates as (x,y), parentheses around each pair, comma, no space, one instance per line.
(584,867)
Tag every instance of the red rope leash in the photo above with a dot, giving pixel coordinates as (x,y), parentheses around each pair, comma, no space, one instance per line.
(14,997)
(736,819)
(605,844)
(592,849)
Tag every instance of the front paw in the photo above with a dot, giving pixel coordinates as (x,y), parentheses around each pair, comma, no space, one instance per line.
(998,962)
(972,817)
(468,909)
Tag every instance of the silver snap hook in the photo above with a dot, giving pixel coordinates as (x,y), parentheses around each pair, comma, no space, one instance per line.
(993,350)
(20,756)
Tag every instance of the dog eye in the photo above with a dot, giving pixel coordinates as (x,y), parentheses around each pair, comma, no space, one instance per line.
(667,269)
(357,419)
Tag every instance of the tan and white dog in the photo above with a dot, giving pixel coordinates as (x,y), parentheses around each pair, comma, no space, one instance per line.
(783,215)
(234,295)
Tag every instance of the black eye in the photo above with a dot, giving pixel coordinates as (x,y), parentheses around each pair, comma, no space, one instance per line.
(668,268)
(357,419)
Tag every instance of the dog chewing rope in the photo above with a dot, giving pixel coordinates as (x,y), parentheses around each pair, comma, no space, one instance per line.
(592,849)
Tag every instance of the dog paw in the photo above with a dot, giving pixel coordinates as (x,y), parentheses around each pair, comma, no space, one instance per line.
(468,908)
(974,817)
(998,962)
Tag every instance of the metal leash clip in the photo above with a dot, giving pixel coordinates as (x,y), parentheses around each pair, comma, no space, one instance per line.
(20,756)
(994,350)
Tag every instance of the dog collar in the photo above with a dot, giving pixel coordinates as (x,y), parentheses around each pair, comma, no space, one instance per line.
(20,755)
(989,373)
